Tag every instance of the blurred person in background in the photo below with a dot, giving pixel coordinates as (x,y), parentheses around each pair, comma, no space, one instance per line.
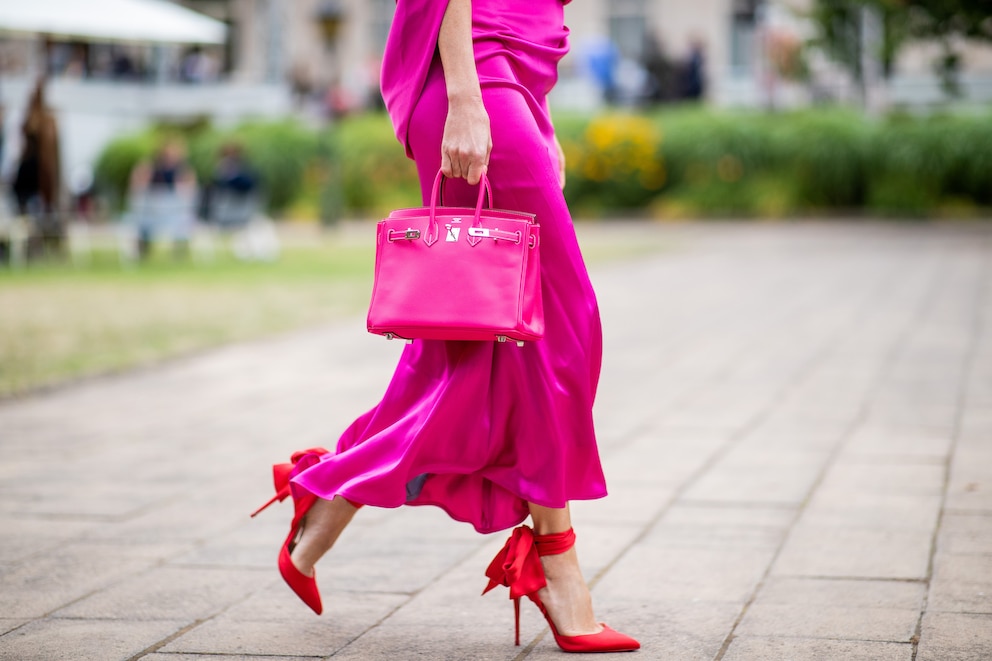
(198,66)
(230,200)
(662,75)
(694,71)
(36,185)
(231,203)
(602,58)
(163,193)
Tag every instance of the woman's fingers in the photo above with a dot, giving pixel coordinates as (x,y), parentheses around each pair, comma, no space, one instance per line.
(475,172)
(447,169)
(459,164)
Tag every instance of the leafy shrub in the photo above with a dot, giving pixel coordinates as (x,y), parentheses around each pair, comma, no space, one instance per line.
(679,162)
(614,161)
(372,171)
(826,155)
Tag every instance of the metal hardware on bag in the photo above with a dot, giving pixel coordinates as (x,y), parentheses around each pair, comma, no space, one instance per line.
(410,341)
(388,336)
(409,235)
(453,233)
(501,338)
(495,234)
(520,343)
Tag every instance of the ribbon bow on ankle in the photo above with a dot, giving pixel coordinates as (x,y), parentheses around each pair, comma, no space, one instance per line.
(282,472)
(517,565)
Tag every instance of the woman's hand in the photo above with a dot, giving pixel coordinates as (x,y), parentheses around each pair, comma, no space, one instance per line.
(467,140)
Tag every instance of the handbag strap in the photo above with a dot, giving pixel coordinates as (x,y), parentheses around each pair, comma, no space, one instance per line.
(432,227)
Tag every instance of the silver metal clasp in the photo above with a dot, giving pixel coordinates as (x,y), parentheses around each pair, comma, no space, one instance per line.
(479,231)
(411,234)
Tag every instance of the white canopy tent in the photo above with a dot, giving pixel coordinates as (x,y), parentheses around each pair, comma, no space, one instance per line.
(141,21)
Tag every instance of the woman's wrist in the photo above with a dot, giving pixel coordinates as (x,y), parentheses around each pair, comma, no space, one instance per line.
(464,97)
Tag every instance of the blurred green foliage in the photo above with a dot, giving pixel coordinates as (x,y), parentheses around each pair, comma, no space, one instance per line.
(683,162)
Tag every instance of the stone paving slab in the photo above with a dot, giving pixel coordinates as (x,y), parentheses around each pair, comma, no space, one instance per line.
(795,421)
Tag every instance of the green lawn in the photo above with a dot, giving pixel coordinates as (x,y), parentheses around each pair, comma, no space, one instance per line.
(62,321)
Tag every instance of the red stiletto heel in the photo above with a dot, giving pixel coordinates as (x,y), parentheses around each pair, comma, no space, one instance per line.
(518,566)
(304,586)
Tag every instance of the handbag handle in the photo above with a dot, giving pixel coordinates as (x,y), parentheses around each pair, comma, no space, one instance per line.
(432,228)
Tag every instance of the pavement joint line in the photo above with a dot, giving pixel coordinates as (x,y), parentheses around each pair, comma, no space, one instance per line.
(723,504)
(66,516)
(864,579)
(525,652)
(397,593)
(975,338)
(151,649)
(209,567)
(834,638)
(866,308)
(957,512)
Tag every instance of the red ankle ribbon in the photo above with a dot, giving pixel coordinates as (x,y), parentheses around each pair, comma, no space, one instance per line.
(518,564)
(555,543)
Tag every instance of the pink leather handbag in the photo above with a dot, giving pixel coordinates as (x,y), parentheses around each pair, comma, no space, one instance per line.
(457,273)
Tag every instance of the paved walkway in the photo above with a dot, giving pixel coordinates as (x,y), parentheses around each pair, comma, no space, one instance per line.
(796,421)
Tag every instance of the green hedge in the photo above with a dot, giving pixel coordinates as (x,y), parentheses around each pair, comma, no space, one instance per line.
(687,162)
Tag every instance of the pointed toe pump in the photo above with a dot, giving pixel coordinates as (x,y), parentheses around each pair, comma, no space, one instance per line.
(304,586)
(518,567)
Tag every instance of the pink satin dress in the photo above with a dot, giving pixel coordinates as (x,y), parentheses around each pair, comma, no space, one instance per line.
(479,428)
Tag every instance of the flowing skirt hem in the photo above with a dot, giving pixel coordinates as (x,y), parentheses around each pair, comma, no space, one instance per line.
(481,523)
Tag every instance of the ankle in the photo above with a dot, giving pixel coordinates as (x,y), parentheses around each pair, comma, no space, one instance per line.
(319,530)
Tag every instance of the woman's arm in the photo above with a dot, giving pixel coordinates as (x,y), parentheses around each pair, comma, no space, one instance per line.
(467,141)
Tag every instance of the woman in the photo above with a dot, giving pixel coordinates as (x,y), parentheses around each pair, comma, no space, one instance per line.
(489,432)
(37,180)
(37,184)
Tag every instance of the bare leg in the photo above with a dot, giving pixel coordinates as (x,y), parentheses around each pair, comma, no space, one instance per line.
(566,596)
(321,528)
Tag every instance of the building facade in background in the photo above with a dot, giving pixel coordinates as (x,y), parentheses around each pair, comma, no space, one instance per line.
(726,52)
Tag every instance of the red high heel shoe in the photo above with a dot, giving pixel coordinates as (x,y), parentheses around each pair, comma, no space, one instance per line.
(304,586)
(518,566)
